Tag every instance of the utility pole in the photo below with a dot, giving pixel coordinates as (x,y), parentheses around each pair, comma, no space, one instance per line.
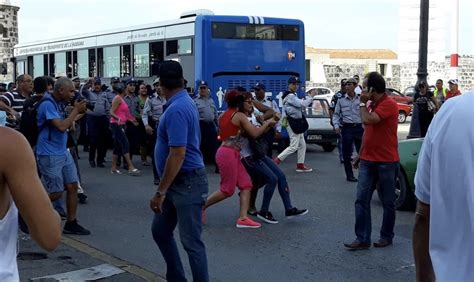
(455,41)
(422,72)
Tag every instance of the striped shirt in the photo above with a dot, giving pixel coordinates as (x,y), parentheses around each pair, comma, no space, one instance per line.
(14,100)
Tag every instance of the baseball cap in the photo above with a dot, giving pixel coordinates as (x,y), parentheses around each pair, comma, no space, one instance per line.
(356,77)
(156,81)
(203,83)
(453,81)
(114,79)
(293,79)
(129,80)
(259,85)
(97,80)
(170,70)
(75,78)
(351,80)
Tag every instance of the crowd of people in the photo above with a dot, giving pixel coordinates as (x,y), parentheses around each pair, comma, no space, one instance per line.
(180,133)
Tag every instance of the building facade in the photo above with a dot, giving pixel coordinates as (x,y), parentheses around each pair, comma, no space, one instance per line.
(8,39)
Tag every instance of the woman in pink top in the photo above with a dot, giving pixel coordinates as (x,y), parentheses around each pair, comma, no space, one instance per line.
(119,115)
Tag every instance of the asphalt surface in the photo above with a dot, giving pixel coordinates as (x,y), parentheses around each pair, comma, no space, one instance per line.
(308,248)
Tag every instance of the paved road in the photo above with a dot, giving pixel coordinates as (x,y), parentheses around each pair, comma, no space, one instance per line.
(302,249)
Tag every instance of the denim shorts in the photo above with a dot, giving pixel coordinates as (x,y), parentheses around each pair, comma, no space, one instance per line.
(57,171)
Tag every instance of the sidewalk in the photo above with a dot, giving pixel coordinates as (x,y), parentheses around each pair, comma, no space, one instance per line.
(72,255)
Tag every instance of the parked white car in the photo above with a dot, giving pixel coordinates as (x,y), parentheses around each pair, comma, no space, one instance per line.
(320,130)
(321,92)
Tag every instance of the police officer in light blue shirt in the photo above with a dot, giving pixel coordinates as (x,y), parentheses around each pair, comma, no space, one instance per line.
(347,122)
(97,121)
(261,97)
(339,94)
(207,122)
(152,111)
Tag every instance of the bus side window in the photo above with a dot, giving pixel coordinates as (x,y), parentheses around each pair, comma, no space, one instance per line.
(171,47)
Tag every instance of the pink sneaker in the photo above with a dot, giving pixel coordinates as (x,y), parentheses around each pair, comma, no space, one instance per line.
(276,160)
(303,168)
(247,223)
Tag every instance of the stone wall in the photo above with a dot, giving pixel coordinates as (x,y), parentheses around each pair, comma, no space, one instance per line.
(440,70)
(334,74)
(403,75)
(8,38)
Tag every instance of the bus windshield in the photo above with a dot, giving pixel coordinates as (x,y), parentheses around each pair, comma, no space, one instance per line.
(225,30)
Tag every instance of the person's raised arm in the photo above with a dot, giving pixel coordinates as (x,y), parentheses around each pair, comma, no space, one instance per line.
(241,120)
(20,173)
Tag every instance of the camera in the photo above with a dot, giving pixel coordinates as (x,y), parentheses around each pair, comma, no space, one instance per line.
(89,105)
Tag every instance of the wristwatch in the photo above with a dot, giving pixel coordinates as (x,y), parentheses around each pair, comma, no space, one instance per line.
(159,194)
(362,104)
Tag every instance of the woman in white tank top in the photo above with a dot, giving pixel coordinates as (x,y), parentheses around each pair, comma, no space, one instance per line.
(8,245)
(21,187)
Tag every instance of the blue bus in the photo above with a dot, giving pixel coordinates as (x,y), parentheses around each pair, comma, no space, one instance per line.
(226,51)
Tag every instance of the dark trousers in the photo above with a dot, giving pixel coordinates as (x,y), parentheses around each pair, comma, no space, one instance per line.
(208,141)
(97,130)
(133,135)
(270,138)
(183,206)
(151,148)
(425,121)
(350,135)
(384,175)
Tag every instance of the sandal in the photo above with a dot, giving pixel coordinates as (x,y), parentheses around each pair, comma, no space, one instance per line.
(115,171)
(134,172)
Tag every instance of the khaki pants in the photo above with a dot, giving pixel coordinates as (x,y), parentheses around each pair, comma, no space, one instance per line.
(297,143)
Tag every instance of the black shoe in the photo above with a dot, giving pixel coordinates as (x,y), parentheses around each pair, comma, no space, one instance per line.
(92,163)
(352,179)
(356,245)
(156,182)
(252,212)
(61,212)
(72,227)
(100,165)
(82,198)
(382,243)
(86,148)
(267,217)
(295,212)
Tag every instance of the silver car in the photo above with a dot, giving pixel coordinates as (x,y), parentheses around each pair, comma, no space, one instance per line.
(320,130)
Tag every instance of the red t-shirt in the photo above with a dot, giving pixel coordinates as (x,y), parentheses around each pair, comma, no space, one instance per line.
(450,94)
(380,139)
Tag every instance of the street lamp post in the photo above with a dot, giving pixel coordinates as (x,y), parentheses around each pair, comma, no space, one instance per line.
(422,73)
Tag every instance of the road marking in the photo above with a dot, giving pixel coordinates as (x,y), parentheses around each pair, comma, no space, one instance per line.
(124,265)
(87,274)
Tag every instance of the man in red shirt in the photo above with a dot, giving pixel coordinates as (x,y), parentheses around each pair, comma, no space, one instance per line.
(378,162)
(453,89)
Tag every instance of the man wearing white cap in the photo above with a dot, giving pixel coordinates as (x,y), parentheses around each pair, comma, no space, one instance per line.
(453,89)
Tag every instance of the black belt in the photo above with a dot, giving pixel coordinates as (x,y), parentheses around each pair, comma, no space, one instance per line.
(351,124)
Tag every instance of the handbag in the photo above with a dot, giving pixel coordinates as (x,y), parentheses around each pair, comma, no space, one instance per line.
(298,125)
(431,106)
(258,146)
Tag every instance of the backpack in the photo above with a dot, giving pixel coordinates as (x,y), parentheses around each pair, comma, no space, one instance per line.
(29,119)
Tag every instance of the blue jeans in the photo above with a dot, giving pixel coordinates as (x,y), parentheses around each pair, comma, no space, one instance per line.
(273,176)
(371,174)
(183,205)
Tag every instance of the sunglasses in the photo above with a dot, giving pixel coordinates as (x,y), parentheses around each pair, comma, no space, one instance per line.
(203,87)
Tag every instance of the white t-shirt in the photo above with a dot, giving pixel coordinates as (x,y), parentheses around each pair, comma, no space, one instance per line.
(445,180)
(8,245)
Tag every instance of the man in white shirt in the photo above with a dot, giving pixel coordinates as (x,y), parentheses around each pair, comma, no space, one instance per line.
(443,236)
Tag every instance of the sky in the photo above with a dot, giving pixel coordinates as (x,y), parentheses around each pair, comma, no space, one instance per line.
(341,24)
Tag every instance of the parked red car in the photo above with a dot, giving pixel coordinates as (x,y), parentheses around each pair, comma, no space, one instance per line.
(404,110)
(398,96)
